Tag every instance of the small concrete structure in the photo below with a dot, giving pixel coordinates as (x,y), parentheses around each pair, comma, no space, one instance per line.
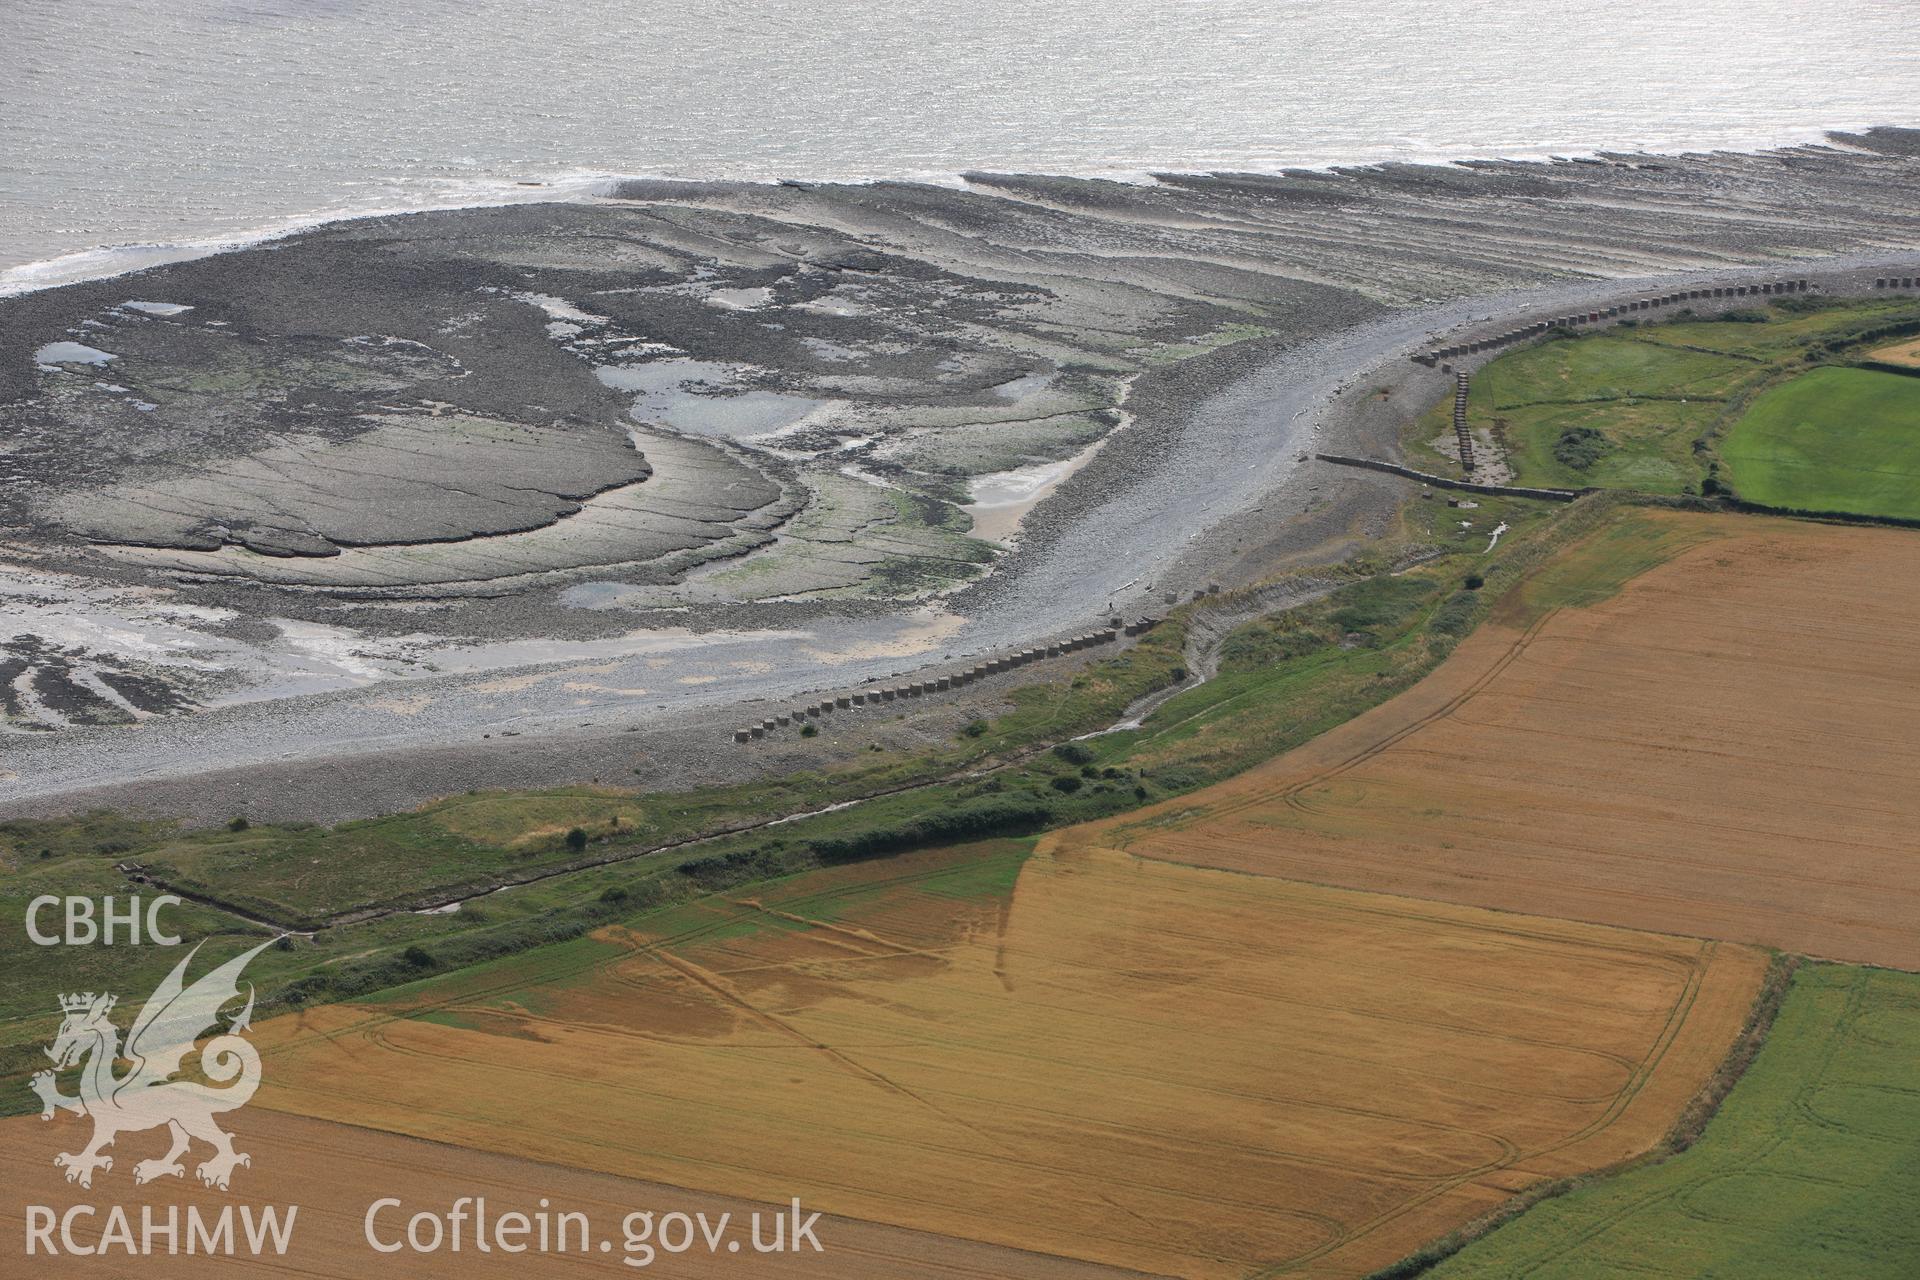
(743,735)
(843,701)
(758,731)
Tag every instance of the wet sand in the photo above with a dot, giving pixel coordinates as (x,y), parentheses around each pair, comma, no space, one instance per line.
(1204,483)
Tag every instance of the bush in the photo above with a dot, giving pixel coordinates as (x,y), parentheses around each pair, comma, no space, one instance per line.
(1074,753)
(238,823)
(314,986)
(1177,777)
(576,840)
(1454,617)
(1581,447)
(716,871)
(1475,581)
(809,730)
(417,957)
(1011,815)
(615,896)
(975,728)
(1270,641)
(1380,605)
(1067,784)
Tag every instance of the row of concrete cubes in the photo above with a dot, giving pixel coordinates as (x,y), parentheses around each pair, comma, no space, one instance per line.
(1895,282)
(1539,327)
(938,684)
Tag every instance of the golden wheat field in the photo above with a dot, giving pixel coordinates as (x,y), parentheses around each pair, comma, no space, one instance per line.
(1075,1054)
(1727,747)
(333,1172)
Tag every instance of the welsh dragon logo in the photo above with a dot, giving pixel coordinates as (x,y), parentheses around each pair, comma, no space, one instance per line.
(147,1095)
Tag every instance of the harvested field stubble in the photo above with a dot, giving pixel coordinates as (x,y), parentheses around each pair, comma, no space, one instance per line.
(1726,747)
(1078,1054)
(1906,354)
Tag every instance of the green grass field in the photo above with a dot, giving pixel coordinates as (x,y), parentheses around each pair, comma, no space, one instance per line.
(1650,400)
(1810,1169)
(1832,439)
(1643,407)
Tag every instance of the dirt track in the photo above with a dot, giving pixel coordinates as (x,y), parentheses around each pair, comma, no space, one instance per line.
(1727,748)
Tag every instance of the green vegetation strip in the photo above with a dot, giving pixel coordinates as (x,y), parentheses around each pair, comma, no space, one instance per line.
(1810,1168)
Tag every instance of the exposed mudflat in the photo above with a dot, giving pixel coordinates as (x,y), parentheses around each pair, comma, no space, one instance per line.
(402,482)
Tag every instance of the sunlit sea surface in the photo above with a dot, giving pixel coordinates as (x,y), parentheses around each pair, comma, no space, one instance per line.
(133,128)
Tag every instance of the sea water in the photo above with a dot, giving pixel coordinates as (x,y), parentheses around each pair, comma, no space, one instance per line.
(134,131)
